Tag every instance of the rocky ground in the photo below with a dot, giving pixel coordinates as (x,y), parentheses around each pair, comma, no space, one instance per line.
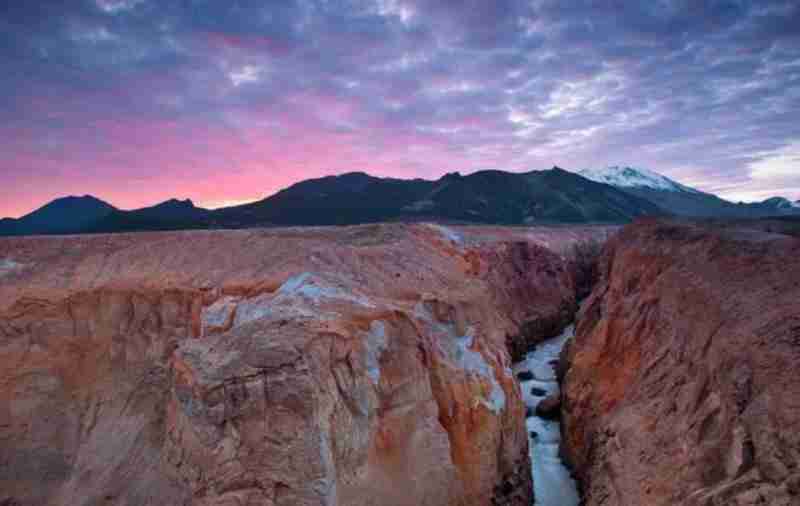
(339,366)
(682,384)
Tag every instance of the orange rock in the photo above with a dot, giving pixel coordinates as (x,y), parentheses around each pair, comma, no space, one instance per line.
(350,366)
(682,385)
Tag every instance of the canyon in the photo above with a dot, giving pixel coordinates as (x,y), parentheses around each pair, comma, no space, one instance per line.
(338,366)
(553,483)
(377,364)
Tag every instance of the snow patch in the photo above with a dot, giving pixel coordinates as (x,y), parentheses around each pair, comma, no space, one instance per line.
(473,362)
(294,283)
(420,205)
(219,314)
(780,203)
(629,177)
(7,266)
(458,350)
(449,233)
(313,288)
(259,307)
(298,297)
(376,342)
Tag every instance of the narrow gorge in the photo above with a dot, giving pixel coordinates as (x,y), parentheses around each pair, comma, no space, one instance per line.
(330,366)
(379,365)
(552,480)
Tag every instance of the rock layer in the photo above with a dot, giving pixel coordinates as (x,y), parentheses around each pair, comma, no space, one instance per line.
(682,383)
(354,366)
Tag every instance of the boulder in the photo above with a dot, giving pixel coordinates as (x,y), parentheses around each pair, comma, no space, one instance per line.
(549,408)
(525,375)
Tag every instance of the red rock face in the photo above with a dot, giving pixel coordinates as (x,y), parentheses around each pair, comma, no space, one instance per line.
(340,366)
(683,385)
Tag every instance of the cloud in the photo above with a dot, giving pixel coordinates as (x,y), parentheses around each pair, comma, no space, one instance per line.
(782,163)
(115,6)
(245,74)
(704,91)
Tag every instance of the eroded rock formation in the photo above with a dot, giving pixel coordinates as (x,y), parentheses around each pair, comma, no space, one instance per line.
(356,366)
(682,385)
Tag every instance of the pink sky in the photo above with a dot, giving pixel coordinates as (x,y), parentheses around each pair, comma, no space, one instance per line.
(139,101)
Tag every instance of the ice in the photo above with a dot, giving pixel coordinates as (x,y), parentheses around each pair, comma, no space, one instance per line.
(448,232)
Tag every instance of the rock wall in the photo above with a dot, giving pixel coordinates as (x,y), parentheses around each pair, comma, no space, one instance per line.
(340,366)
(682,383)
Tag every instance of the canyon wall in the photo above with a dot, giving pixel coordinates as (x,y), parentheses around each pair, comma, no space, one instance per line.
(682,384)
(333,366)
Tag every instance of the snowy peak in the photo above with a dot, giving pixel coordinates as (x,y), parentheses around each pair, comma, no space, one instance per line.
(629,177)
(781,203)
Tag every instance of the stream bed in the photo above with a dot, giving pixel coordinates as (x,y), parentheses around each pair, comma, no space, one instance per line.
(552,483)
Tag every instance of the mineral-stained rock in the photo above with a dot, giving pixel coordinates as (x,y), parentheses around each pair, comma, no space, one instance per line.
(682,385)
(549,407)
(341,366)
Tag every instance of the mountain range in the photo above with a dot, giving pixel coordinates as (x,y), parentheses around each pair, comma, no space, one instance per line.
(682,200)
(609,195)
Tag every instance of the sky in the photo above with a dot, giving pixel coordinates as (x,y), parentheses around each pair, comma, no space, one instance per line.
(138,101)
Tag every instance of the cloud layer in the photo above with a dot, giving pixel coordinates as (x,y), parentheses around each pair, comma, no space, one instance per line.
(140,100)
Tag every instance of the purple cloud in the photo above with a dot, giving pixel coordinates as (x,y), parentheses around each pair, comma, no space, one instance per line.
(188,95)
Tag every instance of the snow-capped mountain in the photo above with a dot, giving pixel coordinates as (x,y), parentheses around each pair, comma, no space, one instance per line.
(681,200)
(781,203)
(629,177)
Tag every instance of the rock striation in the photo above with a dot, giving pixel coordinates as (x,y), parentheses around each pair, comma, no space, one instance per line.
(334,366)
(681,384)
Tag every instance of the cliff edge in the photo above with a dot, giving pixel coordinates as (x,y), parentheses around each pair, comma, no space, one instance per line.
(682,385)
(338,366)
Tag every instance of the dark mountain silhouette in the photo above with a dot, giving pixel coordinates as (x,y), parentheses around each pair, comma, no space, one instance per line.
(554,196)
(350,198)
(488,197)
(61,216)
(170,215)
(706,205)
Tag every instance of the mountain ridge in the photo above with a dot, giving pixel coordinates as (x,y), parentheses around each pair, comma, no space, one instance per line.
(629,177)
(612,195)
(683,200)
(62,215)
